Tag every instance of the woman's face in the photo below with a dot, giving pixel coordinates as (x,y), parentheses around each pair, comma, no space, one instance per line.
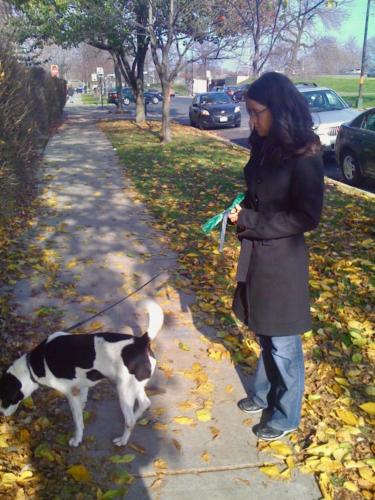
(260,117)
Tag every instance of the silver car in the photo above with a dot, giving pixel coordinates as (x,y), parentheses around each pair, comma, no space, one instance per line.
(328,111)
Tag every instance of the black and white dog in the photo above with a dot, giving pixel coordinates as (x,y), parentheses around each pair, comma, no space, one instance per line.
(72,364)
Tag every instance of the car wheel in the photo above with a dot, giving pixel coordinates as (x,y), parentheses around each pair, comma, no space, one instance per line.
(350,168)
(155,100)
(200,124)
(126,101)
(238,124)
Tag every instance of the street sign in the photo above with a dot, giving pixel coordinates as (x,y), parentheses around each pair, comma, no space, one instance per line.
(94,77)
(100,71)
(54,70)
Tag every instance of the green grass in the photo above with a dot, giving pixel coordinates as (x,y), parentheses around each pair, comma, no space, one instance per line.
(368,101)
(345,84)
(91,99)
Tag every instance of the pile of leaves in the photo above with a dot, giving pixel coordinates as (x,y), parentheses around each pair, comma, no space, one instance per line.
(186,182)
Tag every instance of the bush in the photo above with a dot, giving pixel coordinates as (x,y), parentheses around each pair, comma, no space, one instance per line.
(30,102)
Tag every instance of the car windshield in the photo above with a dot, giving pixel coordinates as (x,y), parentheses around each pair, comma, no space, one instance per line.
(215,98)
(324,100)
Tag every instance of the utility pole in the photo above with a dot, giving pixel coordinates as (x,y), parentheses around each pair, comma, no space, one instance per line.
(361,79)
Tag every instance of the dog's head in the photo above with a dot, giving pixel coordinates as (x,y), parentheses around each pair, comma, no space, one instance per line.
(10,393)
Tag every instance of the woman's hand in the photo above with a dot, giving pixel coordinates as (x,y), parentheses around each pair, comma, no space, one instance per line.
(233,216)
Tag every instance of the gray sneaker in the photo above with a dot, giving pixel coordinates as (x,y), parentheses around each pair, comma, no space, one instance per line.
(248,406)
(267,433)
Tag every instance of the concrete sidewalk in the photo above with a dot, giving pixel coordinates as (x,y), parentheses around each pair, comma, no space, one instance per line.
(105,243)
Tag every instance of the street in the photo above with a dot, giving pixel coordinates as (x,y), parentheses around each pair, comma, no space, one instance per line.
(180,113)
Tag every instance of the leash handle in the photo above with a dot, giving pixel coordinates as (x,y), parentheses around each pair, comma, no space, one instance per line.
(80,323)
(223,229)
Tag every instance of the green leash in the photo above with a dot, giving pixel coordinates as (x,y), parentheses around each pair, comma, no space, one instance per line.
(222,217)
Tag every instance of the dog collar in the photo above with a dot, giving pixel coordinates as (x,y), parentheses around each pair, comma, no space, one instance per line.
(30,369)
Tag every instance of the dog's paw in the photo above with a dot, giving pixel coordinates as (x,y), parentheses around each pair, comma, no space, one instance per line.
(74,442)
(120,441)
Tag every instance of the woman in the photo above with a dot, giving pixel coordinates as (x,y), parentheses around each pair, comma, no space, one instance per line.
(284,199)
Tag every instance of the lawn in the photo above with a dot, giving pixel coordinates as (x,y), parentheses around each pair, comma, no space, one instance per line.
(346,86)
(92,99)
(197,175)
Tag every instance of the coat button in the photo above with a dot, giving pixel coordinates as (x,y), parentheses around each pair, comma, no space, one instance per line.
(256,199)
(259,181)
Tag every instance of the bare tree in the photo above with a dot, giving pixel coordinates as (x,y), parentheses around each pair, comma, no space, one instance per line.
(301,32)
(329,56)
(266,22)
(176,27)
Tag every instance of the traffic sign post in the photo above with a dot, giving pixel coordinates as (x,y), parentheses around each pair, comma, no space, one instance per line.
(100,75)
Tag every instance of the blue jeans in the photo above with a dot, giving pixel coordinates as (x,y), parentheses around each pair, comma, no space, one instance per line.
(279,379)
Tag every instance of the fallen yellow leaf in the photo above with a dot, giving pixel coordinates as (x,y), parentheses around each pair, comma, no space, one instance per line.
(349,485)
(24,476)
(281,448)
(160,463)
(204,415)
(79,473)
(8,478)
(184,420)
(3,442)
(206,457)
(270,470)
(183,347)
(160,427)
(326,486)
(215,432)
(368,408)
(347,417)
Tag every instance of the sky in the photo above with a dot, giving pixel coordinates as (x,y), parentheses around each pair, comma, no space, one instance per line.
(354,25)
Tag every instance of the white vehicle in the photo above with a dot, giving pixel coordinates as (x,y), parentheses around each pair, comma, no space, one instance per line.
(328,111)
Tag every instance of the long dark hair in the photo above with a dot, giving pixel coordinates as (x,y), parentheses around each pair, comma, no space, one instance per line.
(291,131)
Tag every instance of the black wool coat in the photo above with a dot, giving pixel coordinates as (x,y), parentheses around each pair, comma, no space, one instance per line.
(284,199)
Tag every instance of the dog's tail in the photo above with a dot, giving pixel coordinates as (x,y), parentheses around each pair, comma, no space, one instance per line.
(155,317)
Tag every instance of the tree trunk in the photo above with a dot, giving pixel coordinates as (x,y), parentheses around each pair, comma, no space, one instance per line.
(120,104)
(295,49)
(166,135)
(140,114)
(255,63)
(140,110)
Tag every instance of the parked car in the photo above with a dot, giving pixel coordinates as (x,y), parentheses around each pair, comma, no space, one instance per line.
(214,109)
(328,111)
(355,148)
(153,95)
(371,73)
(112,97)
(231,89)
(240,93)
(217,88)
(127,96)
